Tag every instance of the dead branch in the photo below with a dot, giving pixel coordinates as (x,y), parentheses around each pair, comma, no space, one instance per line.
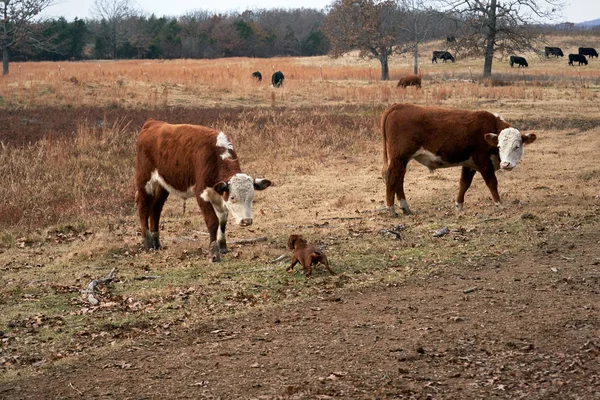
(281,257)
(250,241)
(90,290)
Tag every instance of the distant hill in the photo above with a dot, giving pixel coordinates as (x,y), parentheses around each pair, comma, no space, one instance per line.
(588,24)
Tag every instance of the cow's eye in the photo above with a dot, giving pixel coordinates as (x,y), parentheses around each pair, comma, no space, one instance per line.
(517,147)
(232,199)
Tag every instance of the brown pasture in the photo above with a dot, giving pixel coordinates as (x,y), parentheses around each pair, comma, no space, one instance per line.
(504,306)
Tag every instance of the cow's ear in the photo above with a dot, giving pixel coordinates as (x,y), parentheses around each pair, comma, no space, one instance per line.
(221,187)
(529,138)
(491,138)
(261,184)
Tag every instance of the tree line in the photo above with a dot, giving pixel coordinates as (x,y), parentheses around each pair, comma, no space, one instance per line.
(377,28)
(202,34)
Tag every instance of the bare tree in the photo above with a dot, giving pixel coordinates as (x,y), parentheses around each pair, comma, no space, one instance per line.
(499,25)
(114,12)
(370,26)
(16,21)
(419,23)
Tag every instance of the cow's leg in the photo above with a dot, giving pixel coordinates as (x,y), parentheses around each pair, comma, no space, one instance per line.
(212,224)
(144,205)
(159,198)
(395,186)
(221,240)
(492,183)
(466,177)
(144,202)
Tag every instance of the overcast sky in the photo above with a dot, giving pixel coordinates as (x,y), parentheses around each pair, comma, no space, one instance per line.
(575,11)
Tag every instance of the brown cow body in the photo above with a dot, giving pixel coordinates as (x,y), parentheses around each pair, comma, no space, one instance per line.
(409,80)
(191,161)
(436,137)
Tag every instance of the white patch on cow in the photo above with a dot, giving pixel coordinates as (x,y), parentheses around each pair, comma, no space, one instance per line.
(428,159)
(223,141)
(241,194)
(157,179)
(458,206)
(239,199)
(215,199)
(500,117)
(510,146)
(404,206)
(469,164)
(222,216)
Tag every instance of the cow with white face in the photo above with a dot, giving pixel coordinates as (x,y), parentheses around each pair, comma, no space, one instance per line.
(192,161)
(477,141)
(510,146)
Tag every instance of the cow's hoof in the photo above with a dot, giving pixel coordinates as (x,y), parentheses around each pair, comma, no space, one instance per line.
(458,206)
(223,248)
(499,205)
(213,252)
(404,207)
(151,241)
(392,211)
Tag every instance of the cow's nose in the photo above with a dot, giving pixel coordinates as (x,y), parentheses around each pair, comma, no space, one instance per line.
(246,222)
(504,165)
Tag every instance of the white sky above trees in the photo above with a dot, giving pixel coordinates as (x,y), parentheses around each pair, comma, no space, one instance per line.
(575,10)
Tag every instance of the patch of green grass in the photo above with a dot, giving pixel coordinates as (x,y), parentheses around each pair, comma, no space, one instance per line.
(589,175)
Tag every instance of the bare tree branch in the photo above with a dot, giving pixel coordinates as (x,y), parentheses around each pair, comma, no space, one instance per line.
(499,26)
(16,18)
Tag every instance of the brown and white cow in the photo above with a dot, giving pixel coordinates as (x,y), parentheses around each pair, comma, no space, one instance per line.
(192,161)
(436,137)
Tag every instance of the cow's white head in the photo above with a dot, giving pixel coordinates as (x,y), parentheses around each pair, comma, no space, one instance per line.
(510,145)
(237,194)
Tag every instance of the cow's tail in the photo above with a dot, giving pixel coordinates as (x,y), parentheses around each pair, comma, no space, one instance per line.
(384,117)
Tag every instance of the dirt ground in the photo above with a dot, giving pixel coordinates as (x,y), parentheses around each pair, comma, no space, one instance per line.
(506,305)
(527,328)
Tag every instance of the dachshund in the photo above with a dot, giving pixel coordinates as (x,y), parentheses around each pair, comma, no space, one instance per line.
(306,255)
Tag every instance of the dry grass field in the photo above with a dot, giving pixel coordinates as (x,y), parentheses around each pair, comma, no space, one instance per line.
(504,306)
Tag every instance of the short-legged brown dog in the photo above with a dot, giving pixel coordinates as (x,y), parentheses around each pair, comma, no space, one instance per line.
(307,255)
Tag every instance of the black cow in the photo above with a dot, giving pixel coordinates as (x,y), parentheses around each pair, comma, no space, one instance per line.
(520,61)
(588,51)
(580,58)
(257,75)
(555,51)
(277,79)
(443,55)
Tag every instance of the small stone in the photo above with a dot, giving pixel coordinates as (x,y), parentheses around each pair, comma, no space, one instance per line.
(442,232)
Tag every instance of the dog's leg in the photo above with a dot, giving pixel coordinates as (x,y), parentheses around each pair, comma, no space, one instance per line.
(308,270)
(294,262)
(325,262)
